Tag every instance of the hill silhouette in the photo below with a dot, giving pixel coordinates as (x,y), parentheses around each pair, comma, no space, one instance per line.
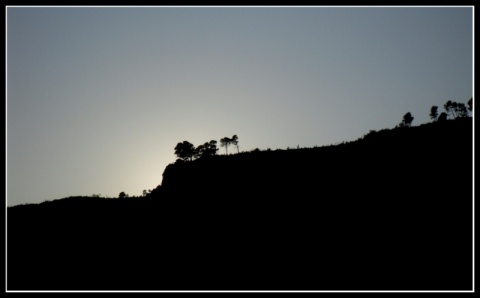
(389,211)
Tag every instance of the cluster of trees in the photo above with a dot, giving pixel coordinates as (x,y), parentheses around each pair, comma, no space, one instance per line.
(124,195)
(225,142)
(407,120)
(452,108)
(186,151)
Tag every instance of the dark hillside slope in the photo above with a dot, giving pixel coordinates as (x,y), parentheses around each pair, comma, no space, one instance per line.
(391,211)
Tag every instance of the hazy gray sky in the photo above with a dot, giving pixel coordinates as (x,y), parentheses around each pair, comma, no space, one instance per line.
(97,98)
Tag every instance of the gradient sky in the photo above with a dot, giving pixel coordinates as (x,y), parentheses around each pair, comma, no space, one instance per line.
(97,98)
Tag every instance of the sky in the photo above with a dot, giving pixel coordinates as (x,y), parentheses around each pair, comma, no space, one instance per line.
(98,97)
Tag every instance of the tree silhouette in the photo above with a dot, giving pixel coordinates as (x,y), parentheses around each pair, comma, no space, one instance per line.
(185,151)
(234,141)
(449,108)
(224,142)
(122,195)
(461,110)
(442,117)
(207,149)
(456,109)
(407,120)
(434,113)
(470,104)
(211,148)
(198,151)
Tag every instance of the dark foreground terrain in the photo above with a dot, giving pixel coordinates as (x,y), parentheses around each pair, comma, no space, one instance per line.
(390,211)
